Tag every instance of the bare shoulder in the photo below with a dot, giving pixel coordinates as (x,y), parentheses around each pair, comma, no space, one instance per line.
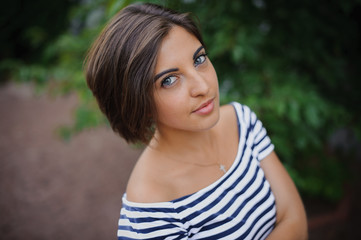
(228,119)
(146,184)
(228,134)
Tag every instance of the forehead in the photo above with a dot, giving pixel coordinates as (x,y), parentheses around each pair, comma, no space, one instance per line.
(177,45)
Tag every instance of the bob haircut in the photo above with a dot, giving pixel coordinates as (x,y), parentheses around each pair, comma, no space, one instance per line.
(120,66)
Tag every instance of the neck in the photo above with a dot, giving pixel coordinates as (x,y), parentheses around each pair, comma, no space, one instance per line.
(198,147)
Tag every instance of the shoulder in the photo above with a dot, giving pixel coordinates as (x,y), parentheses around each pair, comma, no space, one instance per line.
(228,114)
(229,117)
(147,182)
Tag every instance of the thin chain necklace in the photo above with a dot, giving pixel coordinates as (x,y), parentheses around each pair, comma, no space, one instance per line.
(221,166)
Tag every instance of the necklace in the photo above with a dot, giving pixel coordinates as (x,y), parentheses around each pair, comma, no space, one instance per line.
(222,168)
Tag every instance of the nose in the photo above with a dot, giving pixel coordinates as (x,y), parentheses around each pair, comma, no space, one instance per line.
(198,84)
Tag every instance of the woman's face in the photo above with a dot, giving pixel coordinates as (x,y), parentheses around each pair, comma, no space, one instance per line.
(186,86)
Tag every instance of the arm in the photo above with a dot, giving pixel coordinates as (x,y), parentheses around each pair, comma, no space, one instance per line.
(291,217)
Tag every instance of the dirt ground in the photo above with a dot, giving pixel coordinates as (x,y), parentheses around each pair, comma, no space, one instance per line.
(51,189)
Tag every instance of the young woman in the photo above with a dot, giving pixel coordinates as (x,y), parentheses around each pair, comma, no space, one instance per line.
(208,171)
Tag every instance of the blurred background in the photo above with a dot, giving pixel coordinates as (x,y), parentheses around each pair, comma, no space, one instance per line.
(297,64)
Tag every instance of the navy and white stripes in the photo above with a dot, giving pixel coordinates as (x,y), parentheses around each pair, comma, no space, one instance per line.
(239,205)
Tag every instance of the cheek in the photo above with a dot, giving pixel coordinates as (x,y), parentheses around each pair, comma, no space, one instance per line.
(213,77)
(170,106)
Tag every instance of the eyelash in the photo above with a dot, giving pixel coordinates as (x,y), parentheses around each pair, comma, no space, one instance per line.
(165,79)
(173,76)
(201,55)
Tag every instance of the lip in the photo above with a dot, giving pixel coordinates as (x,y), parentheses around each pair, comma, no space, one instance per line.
(205,108)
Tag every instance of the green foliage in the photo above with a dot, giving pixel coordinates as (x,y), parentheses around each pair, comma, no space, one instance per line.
(27,26)
(295,63)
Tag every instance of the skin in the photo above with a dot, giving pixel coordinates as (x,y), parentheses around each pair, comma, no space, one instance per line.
(183,157)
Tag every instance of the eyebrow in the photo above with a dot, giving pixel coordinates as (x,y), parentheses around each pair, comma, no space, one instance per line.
(197,51)
(165,72)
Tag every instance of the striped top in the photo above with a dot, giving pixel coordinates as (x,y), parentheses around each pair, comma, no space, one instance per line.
(239,205)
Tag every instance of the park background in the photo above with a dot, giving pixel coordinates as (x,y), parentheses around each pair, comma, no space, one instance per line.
(297,64)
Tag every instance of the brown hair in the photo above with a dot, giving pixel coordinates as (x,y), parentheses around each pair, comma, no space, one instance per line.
(120,66)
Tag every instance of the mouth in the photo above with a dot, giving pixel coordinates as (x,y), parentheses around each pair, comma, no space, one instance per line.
(205,108)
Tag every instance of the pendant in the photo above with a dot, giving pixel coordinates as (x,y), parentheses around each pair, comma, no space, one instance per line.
(222,168)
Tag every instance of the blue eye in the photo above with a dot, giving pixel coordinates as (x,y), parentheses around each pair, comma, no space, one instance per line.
(168,81)
(200,59)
